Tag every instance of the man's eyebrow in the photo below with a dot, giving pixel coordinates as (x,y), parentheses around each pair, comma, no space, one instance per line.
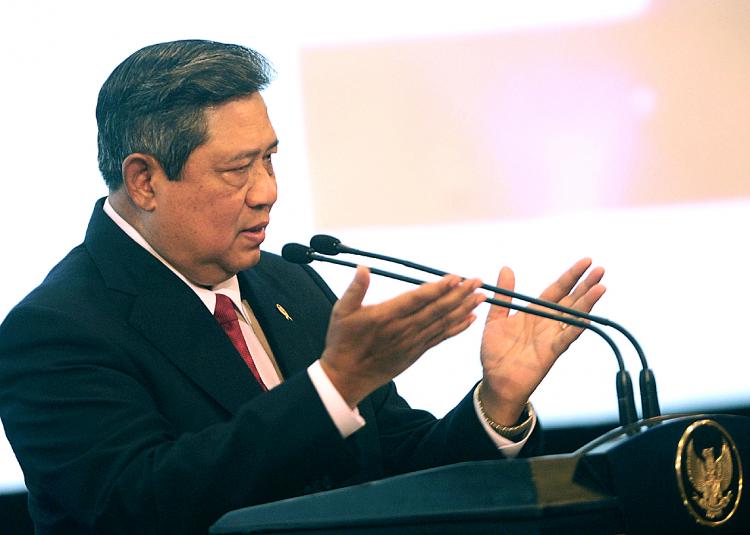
(253,153)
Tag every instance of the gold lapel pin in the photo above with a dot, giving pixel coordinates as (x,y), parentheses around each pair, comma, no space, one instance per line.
(283,312)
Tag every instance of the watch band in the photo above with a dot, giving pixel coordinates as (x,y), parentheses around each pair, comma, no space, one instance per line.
(508,431)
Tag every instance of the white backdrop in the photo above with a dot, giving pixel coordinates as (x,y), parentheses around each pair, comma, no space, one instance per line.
(634,159)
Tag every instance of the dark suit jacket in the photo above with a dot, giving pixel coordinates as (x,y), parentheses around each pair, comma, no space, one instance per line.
(131,412)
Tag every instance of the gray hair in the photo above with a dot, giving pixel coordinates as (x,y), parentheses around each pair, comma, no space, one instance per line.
(154,101)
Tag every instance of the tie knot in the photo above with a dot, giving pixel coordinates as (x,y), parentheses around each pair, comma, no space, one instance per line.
(224,311)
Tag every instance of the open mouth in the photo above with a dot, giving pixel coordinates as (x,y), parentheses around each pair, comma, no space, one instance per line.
(257,228)
(256,235)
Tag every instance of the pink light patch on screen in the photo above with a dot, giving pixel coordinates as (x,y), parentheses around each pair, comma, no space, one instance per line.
(642,111)
(563,149)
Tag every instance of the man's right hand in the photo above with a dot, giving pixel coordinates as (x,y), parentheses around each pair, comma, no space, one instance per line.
(367,346)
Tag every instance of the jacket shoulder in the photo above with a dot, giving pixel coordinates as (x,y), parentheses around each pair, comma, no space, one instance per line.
(294,277)
(74,275)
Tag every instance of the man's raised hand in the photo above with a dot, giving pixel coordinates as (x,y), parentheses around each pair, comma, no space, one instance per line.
(367,346)
(519,349)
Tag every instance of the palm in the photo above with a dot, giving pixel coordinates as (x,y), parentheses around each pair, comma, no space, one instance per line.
(522,345)
(519,349)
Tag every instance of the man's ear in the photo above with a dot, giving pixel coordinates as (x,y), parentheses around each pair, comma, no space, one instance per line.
(139,174)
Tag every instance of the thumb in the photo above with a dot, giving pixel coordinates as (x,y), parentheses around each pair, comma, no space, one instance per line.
(507,281)
(352,298)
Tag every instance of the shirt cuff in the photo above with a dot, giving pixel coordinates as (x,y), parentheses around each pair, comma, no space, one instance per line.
(509,448)
(346,420)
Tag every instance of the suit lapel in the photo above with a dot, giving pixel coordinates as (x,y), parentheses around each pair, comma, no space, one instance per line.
(169,315)
(288,338)
(174,320)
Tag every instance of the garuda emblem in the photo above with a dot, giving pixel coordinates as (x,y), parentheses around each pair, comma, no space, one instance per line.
(711,477)
(709,472)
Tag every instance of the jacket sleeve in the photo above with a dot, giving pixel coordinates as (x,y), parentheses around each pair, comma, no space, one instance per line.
(100,456)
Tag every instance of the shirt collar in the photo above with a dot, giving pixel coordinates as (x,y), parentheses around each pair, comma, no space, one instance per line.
(229,287)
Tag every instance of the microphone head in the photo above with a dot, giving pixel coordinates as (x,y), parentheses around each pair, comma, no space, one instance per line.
(325,244)
(296,253)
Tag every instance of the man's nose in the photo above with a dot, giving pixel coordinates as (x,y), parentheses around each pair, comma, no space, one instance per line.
(263,191)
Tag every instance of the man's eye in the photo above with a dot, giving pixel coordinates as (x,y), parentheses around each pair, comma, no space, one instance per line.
(268,164)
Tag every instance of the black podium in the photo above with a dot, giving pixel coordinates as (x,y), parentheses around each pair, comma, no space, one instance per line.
(667,475)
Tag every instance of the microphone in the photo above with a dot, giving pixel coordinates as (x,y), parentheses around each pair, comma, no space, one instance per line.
(301,254)
(330,245)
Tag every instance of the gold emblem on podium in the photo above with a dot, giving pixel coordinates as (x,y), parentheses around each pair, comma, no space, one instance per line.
(709,473)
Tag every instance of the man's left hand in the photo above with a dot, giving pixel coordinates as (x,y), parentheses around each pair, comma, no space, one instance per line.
(519,349)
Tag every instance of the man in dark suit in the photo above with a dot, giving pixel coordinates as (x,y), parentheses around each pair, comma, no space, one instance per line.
(166,371)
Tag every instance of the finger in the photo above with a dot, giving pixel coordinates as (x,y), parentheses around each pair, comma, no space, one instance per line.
(562,286)
(592,279)
(444,321)
(461,297)
(412,304)
(506,280)
(409,303)
(460,327)
(585,304)
(352,298)
(417,343)
(590,298)
(439,316)
(442,335)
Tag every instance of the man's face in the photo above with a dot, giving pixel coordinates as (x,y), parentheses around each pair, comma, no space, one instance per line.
(211,222)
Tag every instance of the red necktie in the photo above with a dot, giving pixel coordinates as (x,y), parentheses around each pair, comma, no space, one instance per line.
(227,318)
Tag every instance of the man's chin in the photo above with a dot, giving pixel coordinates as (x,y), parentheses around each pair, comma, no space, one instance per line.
(248,260)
